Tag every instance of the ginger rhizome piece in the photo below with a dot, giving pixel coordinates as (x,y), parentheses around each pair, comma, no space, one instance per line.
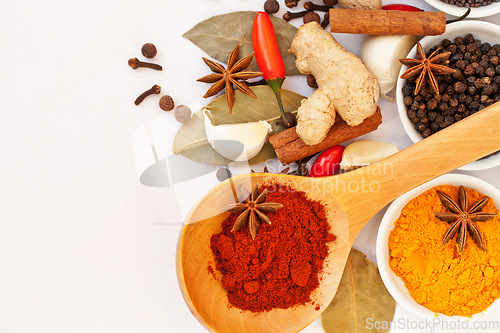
(345,85)
(361,4)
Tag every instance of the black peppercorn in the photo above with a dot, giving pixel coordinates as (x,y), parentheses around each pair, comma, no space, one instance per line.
(222,174)
(421,113)
(148,50)
(494,60)
(432,104)
(443,106)
(407,90)
(271,6)
(446,43)
(311,16)
(449,120)
(462,98)
(434,127)
(468,70)
(431,116)
(470,80)
(474,105)
(480,70)
(420,127)
(460,87)
(311,81)
(469,39)
(494,86)
(412,113)
(489,71)
(479,84)
(408,100)
(426,133)
(485,48)
(166,103)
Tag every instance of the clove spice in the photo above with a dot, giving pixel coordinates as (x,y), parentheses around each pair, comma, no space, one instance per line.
(326,20)
(312,6)
(153,91)
(291,3)
(136,63)
(288,16)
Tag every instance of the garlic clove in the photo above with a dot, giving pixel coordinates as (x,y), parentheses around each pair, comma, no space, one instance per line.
(237,142)
(365,152)
(381,55)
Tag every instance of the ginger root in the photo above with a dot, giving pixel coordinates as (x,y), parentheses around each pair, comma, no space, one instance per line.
(344,84)
(361,4)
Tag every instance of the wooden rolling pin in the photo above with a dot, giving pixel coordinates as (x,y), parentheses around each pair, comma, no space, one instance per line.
(387,22)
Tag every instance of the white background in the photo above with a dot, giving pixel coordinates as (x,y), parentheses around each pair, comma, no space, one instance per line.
(84,247)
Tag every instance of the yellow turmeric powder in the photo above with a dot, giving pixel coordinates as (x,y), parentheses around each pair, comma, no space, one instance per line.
(438,276)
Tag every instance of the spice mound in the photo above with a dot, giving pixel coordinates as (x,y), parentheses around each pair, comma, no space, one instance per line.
(446,276)
(279,268)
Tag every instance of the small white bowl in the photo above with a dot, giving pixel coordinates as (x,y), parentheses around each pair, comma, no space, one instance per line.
(483,11)
(485,32)
(395,284)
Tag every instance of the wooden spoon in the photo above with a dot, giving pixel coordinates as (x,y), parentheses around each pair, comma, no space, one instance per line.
(351,199)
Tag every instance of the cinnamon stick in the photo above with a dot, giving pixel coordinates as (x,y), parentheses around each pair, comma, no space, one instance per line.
(290,148)
(387,22)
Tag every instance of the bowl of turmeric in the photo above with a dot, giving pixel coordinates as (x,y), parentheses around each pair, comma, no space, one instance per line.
(438,248)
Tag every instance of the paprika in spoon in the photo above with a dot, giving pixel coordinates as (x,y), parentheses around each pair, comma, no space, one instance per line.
(268,57)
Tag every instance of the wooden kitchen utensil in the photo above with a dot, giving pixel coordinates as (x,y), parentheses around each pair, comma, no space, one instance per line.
(351,200)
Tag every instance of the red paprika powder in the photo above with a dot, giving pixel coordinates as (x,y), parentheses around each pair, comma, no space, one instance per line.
(279,268)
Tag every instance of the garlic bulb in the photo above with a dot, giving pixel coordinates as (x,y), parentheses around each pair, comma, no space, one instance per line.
(237,142)
(365,152)
(381,55)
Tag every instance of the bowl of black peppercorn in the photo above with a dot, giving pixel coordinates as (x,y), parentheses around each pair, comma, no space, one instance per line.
(479,8)
(474,48)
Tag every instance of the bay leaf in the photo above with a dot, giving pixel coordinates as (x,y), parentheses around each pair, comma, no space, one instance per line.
(191,141)
(218,36)
(361,300)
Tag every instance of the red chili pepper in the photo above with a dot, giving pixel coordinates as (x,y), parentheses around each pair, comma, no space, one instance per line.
(328,162)
(397,6)
(268,56)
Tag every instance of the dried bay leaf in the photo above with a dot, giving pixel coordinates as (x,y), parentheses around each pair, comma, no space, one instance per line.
(361,300)
(191,141)
(219,35)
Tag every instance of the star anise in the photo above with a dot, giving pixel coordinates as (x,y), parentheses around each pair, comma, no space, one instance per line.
(233,75)
(251,210)
(463,218)
(426,68)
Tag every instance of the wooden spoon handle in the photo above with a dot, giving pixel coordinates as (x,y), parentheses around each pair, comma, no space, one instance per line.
(464,142)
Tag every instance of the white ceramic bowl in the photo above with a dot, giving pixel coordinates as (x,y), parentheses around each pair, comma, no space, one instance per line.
(483,11)
(395,284)
(484,31)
